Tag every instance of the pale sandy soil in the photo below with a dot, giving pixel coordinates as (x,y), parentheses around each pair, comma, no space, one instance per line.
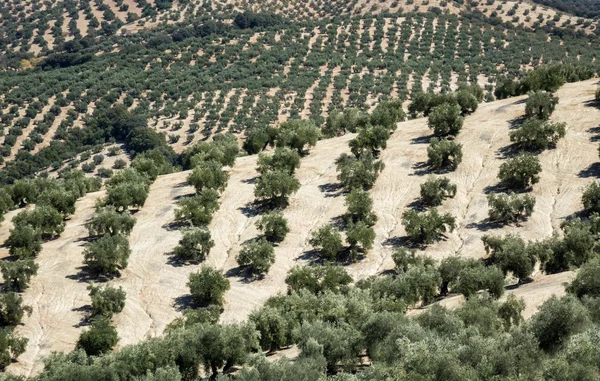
(155,288)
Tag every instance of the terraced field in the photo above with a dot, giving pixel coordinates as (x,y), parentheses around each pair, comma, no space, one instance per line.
(156,287)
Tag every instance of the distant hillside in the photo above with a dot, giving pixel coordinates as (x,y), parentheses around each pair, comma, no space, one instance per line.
(585,8)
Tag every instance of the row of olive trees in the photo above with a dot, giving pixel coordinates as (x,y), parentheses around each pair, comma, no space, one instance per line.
(54,202)
(357,174)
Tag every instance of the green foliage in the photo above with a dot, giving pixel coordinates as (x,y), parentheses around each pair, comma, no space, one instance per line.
(108,254)
(11,347)
(540,104)
(510,254)
(318,279)
(444,154)
(388,114)
(60,199)
(358,173)
(472,279)
(197,210)
(12,309)
(24,242)
(359,207)
(557,319)
(587,282)
(520,172)
(467,101)
(339,123)
(536,134)
(16,275)
(257,256)
(258,139)
(208,286)
(100,338)
(369,139)
(127,188)
(107,300)
(424,103)
(276,186)
(208,175)
(274,226)
(107,220)
(445,120)
(510,208)
(427,227)
(45,219)
(283,159)
(436,189)
(591,198)
(195,245)
(577,246)
(360,237)
(274,328)
(328,241)
(224,149)
(297,134)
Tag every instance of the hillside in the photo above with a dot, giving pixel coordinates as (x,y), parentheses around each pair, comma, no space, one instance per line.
(156,286)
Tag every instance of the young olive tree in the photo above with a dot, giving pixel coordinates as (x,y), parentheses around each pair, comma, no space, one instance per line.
(540,104)
(257,256)
(427,227)
(510,254)
(536,134)
(328,241)
(358,173)
(208,175)
(108,254)
(510,208)
(445,120)
(195,245)
(197,210)
(17,274)
(436,189)
(297,134)
(208,286)
(444,154)
(106,300)
(108,221)
(591,198)
(283,159)
(276,186)
(520,172)
(360,207)
(274,226)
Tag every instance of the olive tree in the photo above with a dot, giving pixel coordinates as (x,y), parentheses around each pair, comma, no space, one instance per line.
(283,159)
(591,198)
(427,227)
(444,154)
(297,134)
(510,208)
(208,286)
(107,220)
(16,275)
(360,237)
(445,120)
(276,186)
(436,189)
(106,300)
(100,338)
(510,254)
(197,210)
(208,175)
(257,256)
(24,242)
(369,139)
(107,255)
(587,281)
(520,172)
(274,226)
(358,173)
(540,104)
(536,134)
(195,245)
(317,279)
(360,207)
(338,123)
(328,241)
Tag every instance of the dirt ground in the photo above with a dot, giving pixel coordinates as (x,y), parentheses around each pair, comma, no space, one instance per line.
(156,287)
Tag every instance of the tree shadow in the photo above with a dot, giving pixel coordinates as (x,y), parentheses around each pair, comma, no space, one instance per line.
(592,171)
(86,275)
(518,121)
(184,302)
(182,196)
(592,103)
(596,132)
(176,261)
(251,181)
(182,184)
(423,169)
(485,225)
(174,225)
(404,241)
(257,207)
(340,222)
(87,317)
(332,189)
(422,139)
(245,273)
(496,188)
(418,205)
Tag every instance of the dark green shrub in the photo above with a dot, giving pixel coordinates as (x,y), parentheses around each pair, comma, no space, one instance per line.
(107,300)
(195,245)
(591,198)
(427,227)
(536,134)
(360,207)
(107,220)
(257,256)
(510,208)
(445,120)
(328,241)
(274,226)
(208,175)
(198,210)
(444,154)
(520,172)
(540,104)
(358,173)
(276,186)
(436,189)
(283,159)
(510,254)
(16,275)
(100,338)
(108,254)
(208,286)
(318,279)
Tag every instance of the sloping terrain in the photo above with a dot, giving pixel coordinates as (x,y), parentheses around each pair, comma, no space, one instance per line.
(156,287)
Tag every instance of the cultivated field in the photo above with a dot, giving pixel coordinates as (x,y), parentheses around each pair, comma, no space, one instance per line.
(156,287)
